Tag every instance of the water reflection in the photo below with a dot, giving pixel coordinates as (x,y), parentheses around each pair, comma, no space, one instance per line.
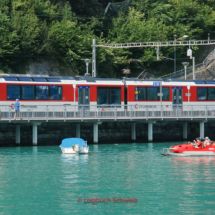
(194,160)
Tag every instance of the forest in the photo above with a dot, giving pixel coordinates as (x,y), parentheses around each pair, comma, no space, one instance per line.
(61,32)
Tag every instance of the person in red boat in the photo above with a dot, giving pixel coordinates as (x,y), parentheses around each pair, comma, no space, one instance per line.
(198,144)
(207,142)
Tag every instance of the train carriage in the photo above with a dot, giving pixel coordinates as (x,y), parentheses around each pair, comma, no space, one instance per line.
(90,96)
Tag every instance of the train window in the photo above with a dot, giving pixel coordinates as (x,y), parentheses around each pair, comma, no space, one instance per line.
(165,91)
(10,79)
(152,93)
(102,96)
(115,96)
(211,93)
(13,92)
(42,92)
(56,92)
(201,93)
(108,96)
(27,92)
(25,79)
(140,93)
(53,79)
(40,79)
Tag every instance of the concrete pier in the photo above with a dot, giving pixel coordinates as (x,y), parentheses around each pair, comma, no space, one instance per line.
(95,133)
(34,134)
(17,134)
(185,130)
(78,130)
(150,131)
(133,131)
(202,129)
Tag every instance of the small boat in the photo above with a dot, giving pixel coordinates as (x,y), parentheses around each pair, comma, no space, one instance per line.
(189,150)
(74,145)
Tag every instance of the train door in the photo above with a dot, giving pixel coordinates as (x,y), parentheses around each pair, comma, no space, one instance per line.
(83,99)
(177,100)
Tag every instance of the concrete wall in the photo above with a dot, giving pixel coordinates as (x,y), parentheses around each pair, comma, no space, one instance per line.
(109,132)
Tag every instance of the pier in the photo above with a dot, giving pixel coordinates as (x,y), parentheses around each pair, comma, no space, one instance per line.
(96,116)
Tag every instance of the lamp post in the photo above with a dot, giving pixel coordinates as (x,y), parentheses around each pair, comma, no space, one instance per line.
(185,36)
(87,61)
(185,69)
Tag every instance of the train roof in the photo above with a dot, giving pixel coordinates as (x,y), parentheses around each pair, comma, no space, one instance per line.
(47,78)
(88,79)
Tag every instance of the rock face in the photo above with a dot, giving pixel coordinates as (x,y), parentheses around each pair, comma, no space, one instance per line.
(109,132)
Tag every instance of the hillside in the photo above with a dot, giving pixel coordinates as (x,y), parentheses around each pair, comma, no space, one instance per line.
(39,36)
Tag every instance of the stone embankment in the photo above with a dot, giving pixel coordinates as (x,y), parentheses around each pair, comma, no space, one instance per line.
(208,73)
(109,132)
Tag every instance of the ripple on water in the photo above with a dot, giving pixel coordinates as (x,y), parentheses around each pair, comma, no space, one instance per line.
(42,180)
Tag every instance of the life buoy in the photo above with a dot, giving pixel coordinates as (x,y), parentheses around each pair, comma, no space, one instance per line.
(213,113)
(12,106)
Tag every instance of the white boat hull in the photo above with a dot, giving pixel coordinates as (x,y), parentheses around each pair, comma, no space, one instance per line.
(189,154)
(71,150)
(84,150)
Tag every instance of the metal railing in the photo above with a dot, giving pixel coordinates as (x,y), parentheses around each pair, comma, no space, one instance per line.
(121,112)
(180,73)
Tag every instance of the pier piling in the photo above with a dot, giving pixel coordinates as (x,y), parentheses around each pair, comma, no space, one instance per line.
(133,131)
(17,134)
(185,130)
(78,130)
(150,131)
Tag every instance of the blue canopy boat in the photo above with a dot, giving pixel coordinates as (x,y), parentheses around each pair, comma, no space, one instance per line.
(74,145)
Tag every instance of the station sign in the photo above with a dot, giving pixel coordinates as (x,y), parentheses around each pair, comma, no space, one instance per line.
(156,84)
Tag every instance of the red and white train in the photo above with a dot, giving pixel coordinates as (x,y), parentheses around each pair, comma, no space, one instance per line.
(106,94)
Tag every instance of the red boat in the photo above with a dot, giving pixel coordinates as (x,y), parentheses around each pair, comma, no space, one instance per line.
(189,150)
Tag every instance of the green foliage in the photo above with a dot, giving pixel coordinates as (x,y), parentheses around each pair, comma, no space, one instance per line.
(64,30)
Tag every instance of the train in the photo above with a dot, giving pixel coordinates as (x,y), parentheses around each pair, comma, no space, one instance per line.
(106,94)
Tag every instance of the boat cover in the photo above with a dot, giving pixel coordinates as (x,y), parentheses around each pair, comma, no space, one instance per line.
(70,142)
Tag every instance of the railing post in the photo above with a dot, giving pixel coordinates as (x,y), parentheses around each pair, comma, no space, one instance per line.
(177,111)
(206,112)
(191,111)
(147,112)
(9,114)
(162,111)
(28,114)
(131,112)
(64,113)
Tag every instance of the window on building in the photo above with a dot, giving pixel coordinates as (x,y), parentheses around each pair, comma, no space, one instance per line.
(42,92)
(56,92)
(108,96)
(202,93)
(13,92)
(27,92)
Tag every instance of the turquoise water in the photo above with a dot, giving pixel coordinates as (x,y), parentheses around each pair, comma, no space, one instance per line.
(41,180)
